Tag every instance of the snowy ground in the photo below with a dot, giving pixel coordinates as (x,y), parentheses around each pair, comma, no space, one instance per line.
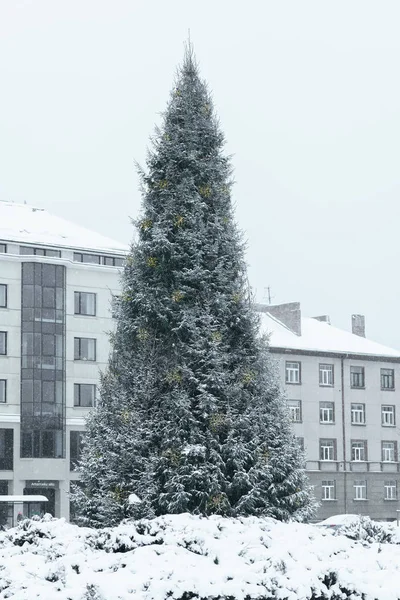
(206,558)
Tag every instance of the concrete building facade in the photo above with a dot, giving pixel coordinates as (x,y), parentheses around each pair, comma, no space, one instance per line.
(343,395)
(56,286)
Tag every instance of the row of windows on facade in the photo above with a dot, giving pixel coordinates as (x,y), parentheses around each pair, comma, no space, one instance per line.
(358,450)
(7,449)
(360,490)
(326,375)
(84,302)
(84,394)
(357,413)
(97,259)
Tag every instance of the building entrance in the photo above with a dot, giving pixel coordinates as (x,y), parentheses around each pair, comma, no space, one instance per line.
(40,508)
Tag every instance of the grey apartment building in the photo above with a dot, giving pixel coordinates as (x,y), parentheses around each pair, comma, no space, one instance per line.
(56,285)
(343,394)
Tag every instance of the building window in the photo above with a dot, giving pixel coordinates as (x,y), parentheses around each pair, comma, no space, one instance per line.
(327,449)
(358,414)
(112,261)
(300,443)
(390,490)
(293,372)
(3,342)
(84,349)
(360,490)
(6,449)
(328,490)
(388,415)
(387,379)
(357,377)
(87,258)
(85,303)
(3,391)
(84,394)
(326,412)
(389,451)
(75,448)
(3,248)
(3,295)
(30,251)
(294,410)
(358,450)
(326,375)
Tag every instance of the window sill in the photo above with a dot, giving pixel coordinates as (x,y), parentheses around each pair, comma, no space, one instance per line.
(327,423)
(358,424)
(329,500)
(85,360)
(360,499)
(328,385)
(293,382)
(386,425)
(356,387)
(390,499)
(82,315)
(388,389)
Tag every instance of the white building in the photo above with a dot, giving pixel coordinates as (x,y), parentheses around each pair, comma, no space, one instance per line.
(56,286)
(343,393)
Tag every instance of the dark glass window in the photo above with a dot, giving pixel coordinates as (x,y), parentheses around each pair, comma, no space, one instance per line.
(42,361)
(3,248)
(3,391)
(85,303)
(357,377)
(3,295)
(87,258)
(3,342)
(387,379)
(84,349)
(31,251)
(75,448)
(6,449)
(84,394)
(113,261)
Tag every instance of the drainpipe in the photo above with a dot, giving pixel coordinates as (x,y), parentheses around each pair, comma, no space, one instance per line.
(344,437)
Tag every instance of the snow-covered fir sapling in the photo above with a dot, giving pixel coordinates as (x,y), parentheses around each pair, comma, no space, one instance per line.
(191,417)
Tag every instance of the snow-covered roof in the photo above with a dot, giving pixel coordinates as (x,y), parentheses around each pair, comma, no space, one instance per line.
(24,498)
(319,336)
(23,223)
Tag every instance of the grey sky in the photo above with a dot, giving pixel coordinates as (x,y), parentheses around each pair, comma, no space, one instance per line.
(308,94)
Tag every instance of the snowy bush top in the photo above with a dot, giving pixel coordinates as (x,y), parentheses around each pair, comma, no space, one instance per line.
(184,556)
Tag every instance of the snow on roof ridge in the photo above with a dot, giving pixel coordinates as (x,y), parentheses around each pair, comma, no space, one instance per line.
(320,336)
(35,225)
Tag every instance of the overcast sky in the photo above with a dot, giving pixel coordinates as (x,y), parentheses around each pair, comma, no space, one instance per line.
(308,94)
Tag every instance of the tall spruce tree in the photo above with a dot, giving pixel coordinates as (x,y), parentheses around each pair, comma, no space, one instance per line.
(191,416)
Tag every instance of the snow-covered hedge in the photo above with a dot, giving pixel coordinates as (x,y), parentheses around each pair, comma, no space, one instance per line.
(186,557)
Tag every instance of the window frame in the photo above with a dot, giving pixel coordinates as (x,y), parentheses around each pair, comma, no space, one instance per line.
(323,445)
(293,370)
(78,388)
(5,343)
(3,393)
(362,448)
(360,484)
(326,409)
(354,411)
(328,484)
(358,373)
(322,371)
(78,355)
(84,314)
(390,485)
(390,376)
(393,449)
(392,412)
(3,248)
(295,410)
(5,286)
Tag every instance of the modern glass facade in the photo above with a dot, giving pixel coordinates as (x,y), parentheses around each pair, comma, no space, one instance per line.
(43,361)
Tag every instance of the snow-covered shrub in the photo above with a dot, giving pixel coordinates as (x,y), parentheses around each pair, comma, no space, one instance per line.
(367,530)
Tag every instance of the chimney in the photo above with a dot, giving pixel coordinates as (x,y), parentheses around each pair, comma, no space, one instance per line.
(358,325)
(323,318)
(289,314)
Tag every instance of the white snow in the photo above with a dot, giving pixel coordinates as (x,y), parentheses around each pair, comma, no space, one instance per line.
(133,499)
(214,557)
(321,337)
(23,223)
